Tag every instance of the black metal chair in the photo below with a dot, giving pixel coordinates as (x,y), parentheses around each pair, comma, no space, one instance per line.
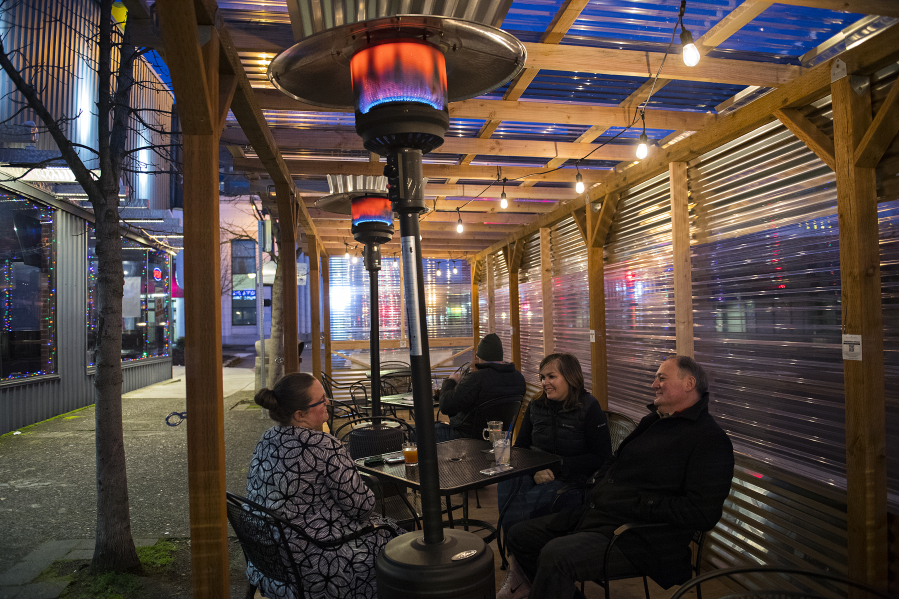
(263,538)
(364,437)
(620,426)
(698,540)
(401,505)
(788,583)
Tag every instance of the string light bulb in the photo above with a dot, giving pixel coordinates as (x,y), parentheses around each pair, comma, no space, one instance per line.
(347,254)
(459,226)
(455,270)
(438,269)
(643,148)
(690,53)
(579,183)
(503,202)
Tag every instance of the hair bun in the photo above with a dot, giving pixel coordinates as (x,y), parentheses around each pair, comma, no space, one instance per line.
(266,398)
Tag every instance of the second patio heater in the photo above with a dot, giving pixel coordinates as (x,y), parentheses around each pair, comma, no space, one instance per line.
(365,200)
(399,73)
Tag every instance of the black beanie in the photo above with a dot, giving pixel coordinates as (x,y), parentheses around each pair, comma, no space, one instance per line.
(490,348)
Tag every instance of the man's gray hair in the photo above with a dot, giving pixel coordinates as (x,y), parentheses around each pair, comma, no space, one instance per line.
(690,367)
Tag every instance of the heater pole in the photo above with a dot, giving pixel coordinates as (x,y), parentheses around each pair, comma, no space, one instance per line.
(404,187)
(372,260)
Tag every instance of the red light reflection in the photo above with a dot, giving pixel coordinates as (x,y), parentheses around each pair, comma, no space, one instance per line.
(401,71)
(368,209)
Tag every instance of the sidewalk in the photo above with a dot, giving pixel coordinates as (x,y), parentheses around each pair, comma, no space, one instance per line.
(48,478)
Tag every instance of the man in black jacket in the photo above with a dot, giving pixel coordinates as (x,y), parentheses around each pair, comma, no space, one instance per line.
(675,468)
(489,378)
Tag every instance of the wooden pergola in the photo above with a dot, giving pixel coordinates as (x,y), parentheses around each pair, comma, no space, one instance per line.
(208,65)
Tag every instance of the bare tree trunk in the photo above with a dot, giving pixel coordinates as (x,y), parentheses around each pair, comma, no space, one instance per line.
(276,360)
(114,549)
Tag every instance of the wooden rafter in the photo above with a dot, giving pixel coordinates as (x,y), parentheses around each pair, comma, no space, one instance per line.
(805,130)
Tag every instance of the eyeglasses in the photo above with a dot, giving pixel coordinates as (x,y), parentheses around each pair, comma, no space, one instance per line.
(318,403)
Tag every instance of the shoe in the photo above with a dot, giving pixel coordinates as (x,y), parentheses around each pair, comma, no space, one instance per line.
(516,585)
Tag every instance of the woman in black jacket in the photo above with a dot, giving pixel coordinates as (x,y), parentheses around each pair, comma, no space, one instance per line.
(567,421)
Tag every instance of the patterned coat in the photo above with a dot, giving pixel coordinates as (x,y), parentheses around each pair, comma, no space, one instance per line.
(308,477)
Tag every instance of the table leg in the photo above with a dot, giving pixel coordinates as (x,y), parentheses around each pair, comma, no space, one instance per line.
(449,511)
(465,510)
(499,524)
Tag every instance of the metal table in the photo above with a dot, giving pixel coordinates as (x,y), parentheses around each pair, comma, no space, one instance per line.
(459,463)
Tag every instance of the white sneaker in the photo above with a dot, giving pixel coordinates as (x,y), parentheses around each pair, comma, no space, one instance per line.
(516,585)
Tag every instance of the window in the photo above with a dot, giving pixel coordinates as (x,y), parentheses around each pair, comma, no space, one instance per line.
(243,282)
(27,288)
(145,301)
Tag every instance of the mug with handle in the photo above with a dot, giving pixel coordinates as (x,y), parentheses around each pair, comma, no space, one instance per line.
(493,427)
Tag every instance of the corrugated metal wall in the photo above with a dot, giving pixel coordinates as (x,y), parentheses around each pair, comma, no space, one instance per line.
(766,299)
(483,300)
(639,299)
(26,401)
(530,301)
(571,295)
(67,59)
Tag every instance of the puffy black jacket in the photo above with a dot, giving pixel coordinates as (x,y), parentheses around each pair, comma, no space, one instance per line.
(674,470)
(580,435)
(486,381)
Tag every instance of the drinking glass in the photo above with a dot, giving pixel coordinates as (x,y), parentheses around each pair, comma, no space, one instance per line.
(410,453)
(502,451)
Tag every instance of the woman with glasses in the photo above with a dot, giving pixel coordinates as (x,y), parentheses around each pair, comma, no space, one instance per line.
(308,477)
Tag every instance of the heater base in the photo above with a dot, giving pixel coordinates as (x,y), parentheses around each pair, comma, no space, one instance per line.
(461,567)
(402,125)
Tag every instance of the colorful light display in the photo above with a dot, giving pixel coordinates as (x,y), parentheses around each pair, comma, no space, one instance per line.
(369,209)
(401,71)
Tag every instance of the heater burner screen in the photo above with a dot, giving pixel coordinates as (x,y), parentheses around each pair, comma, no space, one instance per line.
(371,210)
(406,71)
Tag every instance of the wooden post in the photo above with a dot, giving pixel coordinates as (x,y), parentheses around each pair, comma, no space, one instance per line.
(597,227)
(491,294)
(315,307)
(326,309)
(513,262)
(475,308)
(680,245)
(206,98)
(861,308)
(546,278)
(289,325)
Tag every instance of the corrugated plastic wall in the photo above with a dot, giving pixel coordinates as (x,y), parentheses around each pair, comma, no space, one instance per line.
(483,300)
(571,295)
(530,289)
(448,297)
(766,299)
(639,299)
(501,293)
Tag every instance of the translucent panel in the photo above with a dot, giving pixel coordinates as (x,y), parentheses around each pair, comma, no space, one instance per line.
(530,299)
(766,299)
(639,299)
(571,295)
(889,276)
(502,323)
(448,298)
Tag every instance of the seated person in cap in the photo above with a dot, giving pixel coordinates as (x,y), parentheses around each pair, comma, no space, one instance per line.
(490,378)
(675,468)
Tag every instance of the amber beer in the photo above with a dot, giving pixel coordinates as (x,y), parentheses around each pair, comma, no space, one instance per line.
(410,453)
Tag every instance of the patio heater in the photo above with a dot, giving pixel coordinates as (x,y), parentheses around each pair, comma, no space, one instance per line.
(372,217)
(399,73)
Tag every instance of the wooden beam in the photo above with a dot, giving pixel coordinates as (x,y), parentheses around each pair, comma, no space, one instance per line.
(806,131)
(597,310)
(632,63)
(680,245)
(288,256)
(862,314)
(513,254)
(300,167)
(290,138)
(326,308)
(546,284)
(491,293)
(730,24)
(562,22)
(580,220)
(190,78)
(881,132)
(534,112)
(475,306)
(315,309)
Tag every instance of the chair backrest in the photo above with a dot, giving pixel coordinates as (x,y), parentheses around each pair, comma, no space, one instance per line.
(364,438)
(262,537)
(501,408)
(620,426)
